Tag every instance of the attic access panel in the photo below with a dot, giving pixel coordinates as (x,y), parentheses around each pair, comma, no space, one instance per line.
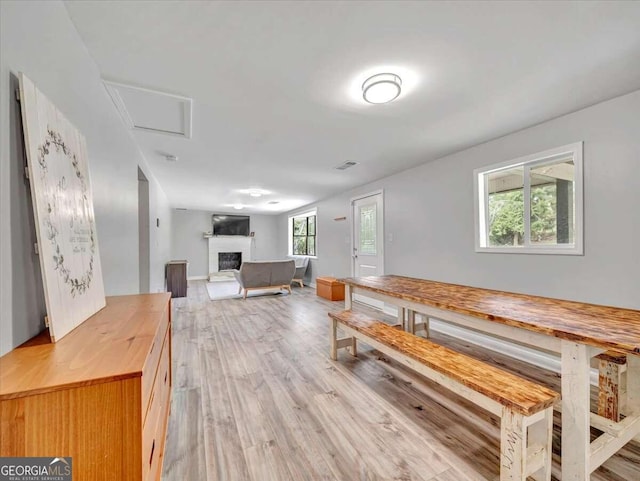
(151,110)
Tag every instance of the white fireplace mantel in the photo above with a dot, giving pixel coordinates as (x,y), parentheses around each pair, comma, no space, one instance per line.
(229,244)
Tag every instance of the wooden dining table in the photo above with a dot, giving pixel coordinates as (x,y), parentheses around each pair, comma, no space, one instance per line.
(576,331)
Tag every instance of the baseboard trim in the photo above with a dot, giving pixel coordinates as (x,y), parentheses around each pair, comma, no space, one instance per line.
(529,355)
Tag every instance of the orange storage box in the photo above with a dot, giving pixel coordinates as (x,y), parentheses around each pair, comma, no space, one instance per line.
(330,288)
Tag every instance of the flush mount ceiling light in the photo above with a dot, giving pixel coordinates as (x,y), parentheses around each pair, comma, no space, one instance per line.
(238,207)
(381,88)
(254,192)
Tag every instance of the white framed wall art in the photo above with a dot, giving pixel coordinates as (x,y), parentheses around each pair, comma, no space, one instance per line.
(63,210)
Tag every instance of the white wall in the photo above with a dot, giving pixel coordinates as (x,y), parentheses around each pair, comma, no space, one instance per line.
(429,215)
(161,228)
(265,244)
(188,243)
(39,39)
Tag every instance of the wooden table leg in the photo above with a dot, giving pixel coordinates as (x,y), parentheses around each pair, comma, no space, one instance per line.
(411,321)
(609,389)
(576,443)
(333,339)
(347,297)
(632,406)
(401,317)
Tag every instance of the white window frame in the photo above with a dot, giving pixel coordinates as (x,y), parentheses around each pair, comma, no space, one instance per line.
(290,232)
(480,185)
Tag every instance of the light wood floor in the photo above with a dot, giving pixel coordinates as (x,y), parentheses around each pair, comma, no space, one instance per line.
(256,398)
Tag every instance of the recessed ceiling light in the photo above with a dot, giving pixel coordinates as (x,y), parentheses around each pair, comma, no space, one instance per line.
(238,206)
(381,88)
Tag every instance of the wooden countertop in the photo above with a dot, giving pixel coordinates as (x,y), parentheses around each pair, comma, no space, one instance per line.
(112,344)
(600,326)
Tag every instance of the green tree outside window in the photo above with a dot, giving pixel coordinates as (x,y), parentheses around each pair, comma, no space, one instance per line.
(304,236)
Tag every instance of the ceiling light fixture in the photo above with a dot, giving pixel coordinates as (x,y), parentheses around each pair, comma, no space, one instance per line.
(171,158)
(254,192)
(238,207)
(346,165)
(381,88)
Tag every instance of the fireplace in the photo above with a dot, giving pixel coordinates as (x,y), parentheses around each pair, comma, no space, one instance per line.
(228,261)
(222,245)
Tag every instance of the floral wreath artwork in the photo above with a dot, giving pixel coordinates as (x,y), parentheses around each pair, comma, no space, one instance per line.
(60,188)
(80,284)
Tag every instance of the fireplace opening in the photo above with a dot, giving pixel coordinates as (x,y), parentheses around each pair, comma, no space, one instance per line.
(228,261)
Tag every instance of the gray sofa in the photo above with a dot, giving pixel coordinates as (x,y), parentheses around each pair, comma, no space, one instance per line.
(265,275)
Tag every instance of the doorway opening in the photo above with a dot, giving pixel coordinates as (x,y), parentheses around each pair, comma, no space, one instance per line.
(144,256)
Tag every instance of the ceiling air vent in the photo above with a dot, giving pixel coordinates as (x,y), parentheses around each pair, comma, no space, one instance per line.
(150,110)
(346,165)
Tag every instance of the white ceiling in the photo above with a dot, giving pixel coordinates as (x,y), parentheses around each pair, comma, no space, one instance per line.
(275,85)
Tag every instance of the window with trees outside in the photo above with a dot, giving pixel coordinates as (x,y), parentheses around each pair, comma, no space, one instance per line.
(303,234)
(531,205)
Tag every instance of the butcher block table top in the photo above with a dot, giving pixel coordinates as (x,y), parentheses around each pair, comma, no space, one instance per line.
(600,326)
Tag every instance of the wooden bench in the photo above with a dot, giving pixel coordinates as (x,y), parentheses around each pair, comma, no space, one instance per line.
(525,408)
(612,367)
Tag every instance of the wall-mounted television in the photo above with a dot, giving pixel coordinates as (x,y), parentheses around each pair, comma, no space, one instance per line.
(224,224)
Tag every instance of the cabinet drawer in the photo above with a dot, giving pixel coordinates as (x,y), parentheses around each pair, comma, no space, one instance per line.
(154,396)
(151,445)
(151,364)
(154,424)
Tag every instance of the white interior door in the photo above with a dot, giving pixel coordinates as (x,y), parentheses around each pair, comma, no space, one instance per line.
(368,240)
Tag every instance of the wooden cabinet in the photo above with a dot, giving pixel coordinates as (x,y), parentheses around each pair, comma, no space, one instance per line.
(100,395)
(176,274)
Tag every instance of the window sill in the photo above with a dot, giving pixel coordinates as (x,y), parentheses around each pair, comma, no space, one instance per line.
(301,255)
(562,251)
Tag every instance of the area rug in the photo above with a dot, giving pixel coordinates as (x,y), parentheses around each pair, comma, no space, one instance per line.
(228,289)
(224,276)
